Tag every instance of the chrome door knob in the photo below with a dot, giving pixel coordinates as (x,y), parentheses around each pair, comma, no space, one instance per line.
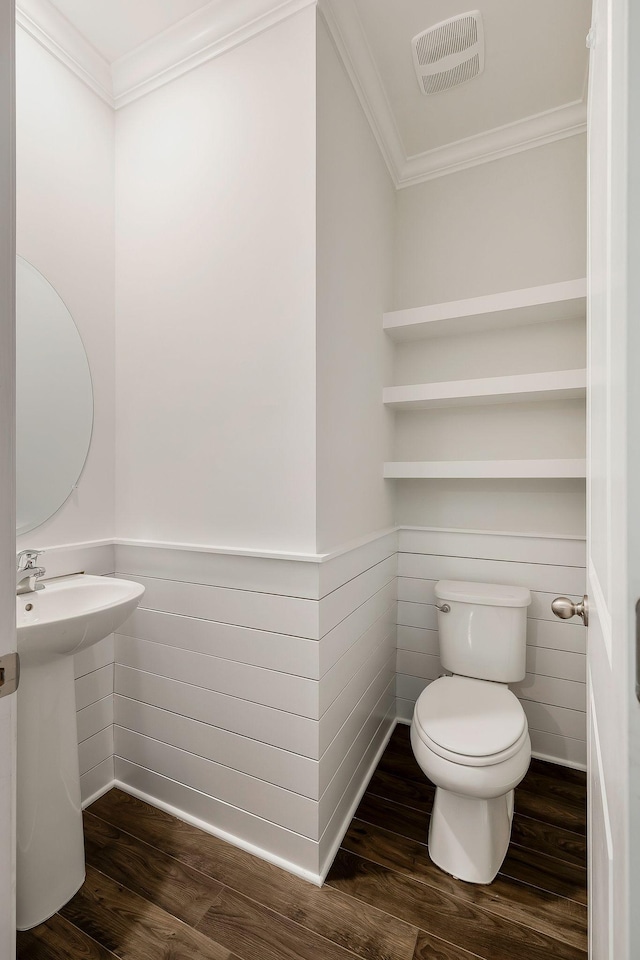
(565,609)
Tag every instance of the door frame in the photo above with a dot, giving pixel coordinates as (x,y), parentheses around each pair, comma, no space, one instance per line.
(7,469)
(614,710)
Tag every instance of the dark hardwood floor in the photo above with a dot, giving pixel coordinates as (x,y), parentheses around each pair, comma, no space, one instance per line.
(159,889)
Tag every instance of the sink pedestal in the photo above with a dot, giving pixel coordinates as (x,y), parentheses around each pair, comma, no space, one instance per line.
(50,852)
(66,616)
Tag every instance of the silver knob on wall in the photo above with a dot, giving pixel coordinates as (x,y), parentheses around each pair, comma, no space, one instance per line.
(565,609)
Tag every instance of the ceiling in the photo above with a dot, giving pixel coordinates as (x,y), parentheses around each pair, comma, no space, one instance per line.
(531,92)
(535,61)
(116,27)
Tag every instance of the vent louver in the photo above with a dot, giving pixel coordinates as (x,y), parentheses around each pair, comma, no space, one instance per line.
(449,53)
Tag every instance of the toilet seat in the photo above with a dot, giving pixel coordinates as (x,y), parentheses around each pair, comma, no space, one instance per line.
(475,723)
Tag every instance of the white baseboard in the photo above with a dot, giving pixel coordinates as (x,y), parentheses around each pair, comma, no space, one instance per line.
(235,841)
(335,846)
(573,764)
(99,793)
(315,878)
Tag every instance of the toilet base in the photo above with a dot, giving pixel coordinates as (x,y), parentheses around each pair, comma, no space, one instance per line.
(469,837)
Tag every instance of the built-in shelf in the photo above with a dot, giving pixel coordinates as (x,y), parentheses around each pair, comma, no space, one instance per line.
(556,385)
(554,301)
(478,469)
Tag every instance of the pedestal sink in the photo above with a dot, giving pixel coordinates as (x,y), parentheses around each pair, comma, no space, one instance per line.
(55,622)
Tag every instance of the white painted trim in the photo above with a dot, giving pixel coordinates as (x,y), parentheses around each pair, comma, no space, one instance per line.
(224,24)
(328,863)
(493,533)
(213,548)
(355,544)
(100,793)
(42,21)
(207,33)
(568,120)
(554,550)
(288,865)
(82,545)
(599,603)
(304,557)
(560,763)
(97,557)
(250,551)
(345,25)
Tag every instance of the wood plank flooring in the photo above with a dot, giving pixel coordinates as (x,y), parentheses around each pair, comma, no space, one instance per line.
(159,889)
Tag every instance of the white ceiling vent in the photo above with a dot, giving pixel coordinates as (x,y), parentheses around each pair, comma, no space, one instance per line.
(449,53)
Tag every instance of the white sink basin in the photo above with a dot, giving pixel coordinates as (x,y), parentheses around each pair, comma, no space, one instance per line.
(72,613)
(66,616)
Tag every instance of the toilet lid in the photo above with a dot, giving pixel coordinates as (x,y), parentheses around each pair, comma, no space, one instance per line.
(474,718)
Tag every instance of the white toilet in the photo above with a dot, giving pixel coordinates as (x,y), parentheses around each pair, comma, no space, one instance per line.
(469,732)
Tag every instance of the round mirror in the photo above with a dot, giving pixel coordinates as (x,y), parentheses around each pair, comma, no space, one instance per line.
(54,400)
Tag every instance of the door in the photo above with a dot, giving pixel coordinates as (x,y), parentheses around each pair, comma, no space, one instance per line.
(7,473)
(613,486)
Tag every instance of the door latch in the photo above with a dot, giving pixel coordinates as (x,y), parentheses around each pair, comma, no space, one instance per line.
(9,674)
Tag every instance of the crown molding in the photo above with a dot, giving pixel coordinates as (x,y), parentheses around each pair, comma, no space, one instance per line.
(346,28)
(207,33)
(42,21)
(224,24)
(566,121)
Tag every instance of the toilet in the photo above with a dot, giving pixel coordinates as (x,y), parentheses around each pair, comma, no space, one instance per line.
(469,732)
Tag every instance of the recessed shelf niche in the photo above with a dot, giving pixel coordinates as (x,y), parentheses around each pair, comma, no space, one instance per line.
(533,305)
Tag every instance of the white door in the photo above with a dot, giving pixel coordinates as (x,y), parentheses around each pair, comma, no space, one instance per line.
(7,483)
(613,540)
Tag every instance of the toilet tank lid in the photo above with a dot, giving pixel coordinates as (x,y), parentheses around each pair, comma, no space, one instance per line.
(490,594)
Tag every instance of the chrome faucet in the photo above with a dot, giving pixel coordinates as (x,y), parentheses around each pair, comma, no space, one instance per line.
(28,573)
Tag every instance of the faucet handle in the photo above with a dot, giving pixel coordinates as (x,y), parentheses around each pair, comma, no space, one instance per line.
(26,559)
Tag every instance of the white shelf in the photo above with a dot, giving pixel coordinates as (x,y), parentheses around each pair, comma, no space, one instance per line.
(554,301)
(478,469)
(560,384)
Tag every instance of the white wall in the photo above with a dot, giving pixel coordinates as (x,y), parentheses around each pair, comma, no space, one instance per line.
(253,694)
(355,223)
(215,208)
(65,228)
(511,223)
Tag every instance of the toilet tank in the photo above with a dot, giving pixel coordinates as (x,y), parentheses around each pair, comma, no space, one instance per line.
(483,629)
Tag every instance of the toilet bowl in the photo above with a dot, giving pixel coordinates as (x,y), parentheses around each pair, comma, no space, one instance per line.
(475,778)
(469,733)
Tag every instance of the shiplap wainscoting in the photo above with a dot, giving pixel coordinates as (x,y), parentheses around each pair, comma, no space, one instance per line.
(255,694)
(94,706)
(553,691)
